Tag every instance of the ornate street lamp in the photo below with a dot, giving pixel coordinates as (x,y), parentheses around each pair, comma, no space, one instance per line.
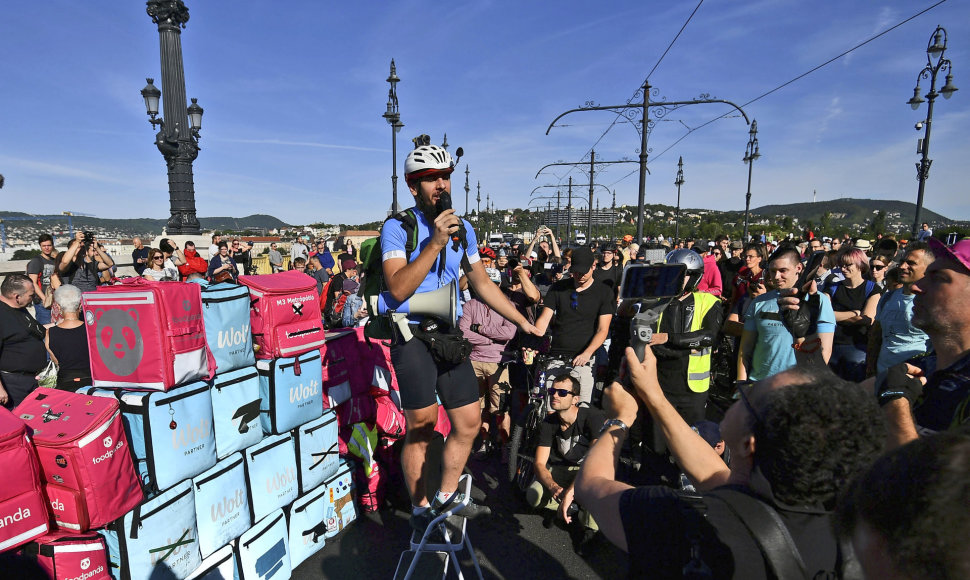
(467,188)
(678,182)
(393,118)
(750,154)
(934,49)
(178,136)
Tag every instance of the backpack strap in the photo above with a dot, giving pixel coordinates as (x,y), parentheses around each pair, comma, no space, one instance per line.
(769,532)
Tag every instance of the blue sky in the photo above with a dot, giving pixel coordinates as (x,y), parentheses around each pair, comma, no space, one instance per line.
(294,91)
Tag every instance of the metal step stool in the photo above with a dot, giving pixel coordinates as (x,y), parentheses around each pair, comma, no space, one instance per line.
(453,529)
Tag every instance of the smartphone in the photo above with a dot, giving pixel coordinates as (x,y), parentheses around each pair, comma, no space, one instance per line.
(810,271)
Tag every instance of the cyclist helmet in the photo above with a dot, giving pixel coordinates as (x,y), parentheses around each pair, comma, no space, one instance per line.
(694,263)
(487,253)
(427,160)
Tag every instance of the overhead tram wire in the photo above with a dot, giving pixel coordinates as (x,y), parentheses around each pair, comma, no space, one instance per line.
(785,84)
(630,100)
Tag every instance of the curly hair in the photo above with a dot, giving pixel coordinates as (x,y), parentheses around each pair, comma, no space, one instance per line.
(816,434)
(917,498)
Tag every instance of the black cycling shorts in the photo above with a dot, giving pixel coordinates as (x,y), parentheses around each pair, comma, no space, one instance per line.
(419,378)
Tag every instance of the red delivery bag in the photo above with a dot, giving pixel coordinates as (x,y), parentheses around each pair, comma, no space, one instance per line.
(85,459)
(284,317)
(147,335)
(23,511)
(69,556)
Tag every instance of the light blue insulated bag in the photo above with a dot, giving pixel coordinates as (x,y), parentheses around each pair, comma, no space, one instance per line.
(263,552)
(290,390)
(340,500)
(307,528)
(225,311)
(160,532)
(222,503)
(235,410)
(317,450)
(170,432)
(221,565)
(271,473)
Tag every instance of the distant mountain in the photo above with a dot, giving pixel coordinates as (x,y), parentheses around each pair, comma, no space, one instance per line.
(144,225)
(855,210)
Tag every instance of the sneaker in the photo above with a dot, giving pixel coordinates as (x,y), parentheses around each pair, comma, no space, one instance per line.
(419,522)
(584,542)
(470,511)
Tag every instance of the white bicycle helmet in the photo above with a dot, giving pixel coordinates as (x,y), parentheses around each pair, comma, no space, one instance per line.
(425,160)
(494,274)
(694,263)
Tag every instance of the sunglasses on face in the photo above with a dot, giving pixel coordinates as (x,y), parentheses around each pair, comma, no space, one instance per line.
(157,258)
(878,267)
(560,392)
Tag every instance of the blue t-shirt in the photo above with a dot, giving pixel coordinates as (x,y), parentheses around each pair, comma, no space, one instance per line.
(900,339)
(773,352)
(393,240)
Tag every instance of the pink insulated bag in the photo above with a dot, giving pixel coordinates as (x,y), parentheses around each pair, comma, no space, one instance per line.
(23,514)
(147,335)
(67,556)
(85,460)
(285,314)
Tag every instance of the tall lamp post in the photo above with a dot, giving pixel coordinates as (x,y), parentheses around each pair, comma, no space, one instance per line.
(750,154)
(467,188)
(678,182)
(178,138)
(934,49)
(393,117)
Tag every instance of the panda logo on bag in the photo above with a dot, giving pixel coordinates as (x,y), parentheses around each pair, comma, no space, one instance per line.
(107,441)
(118,339)
(85,563)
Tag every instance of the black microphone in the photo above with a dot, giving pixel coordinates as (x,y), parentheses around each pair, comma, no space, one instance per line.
(444,203)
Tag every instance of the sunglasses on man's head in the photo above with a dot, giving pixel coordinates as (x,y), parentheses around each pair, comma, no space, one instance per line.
(560,392)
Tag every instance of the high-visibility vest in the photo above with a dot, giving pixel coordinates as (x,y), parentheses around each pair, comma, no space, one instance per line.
(699,365)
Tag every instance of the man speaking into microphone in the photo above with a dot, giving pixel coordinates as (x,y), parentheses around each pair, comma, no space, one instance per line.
(445,245)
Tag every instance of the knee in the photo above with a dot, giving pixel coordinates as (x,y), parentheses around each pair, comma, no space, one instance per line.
(420,427)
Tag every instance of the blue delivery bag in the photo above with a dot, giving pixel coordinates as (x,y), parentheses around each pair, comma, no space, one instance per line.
(159,533)
(263,552)
(271,474)
(317,450)
(306,526)
(170,432)
(225,311)
(235,410)
(221,565)
(340,500)
(222,503)
(290,390)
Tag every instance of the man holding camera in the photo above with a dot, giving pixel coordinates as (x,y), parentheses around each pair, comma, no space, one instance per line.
(83,262)
(434,262)
(767,343)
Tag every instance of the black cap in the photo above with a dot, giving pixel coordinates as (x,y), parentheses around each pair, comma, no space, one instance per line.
(581,260)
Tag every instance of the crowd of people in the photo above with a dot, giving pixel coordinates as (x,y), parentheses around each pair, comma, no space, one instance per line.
(841,367)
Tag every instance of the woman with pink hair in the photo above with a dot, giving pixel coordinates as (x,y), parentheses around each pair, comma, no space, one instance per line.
(854,301)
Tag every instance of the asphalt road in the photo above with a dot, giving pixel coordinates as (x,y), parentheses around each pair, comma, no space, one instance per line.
(512,543)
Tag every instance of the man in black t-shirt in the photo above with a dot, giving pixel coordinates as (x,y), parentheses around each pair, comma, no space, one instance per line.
(607,271)
(22,351)
(580,312)
(564,438)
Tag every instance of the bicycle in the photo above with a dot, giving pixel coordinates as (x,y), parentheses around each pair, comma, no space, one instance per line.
(525,431)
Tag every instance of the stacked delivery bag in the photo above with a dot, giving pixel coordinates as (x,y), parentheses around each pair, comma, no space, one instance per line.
(210,442)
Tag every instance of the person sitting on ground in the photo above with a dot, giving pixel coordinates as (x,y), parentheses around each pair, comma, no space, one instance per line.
(565,436)
(908,516)
(67,341)
(796,439)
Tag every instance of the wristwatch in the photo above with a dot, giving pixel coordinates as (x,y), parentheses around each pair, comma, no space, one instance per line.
(614,423)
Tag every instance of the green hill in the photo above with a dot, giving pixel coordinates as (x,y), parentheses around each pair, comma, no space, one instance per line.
(855,210)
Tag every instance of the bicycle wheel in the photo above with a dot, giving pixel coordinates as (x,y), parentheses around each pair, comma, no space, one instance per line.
(515,443)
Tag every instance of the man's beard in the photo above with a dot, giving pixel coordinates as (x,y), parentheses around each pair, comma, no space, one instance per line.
(429,210)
